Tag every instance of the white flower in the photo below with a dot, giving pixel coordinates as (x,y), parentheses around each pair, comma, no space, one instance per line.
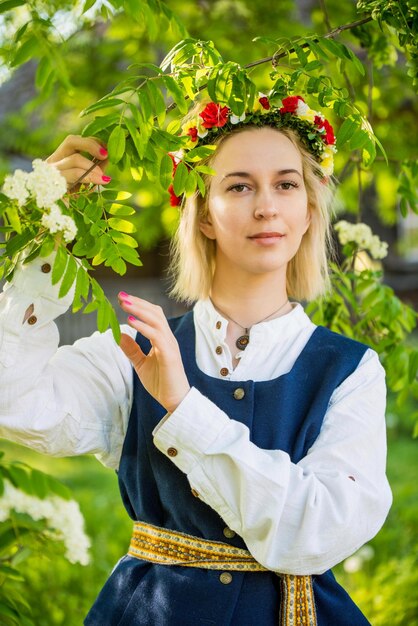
(305,112)
(46,184)
(362,235)
(54,221)
(63,518)
(15,186)
(236,119)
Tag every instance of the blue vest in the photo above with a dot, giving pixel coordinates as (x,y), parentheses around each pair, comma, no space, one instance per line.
(285,413)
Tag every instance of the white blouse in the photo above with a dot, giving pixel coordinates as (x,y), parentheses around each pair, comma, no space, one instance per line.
(295,518)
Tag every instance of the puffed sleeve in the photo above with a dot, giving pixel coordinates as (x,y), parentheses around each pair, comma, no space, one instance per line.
(295,518)
(61,401)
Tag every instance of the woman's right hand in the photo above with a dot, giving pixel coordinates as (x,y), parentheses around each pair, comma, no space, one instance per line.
(68,159)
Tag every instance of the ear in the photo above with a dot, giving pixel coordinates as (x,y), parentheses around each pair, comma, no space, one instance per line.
(206,227)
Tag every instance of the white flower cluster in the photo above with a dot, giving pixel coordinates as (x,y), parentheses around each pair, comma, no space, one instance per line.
(55,221)
(355,563)
(63,517)
(362,235)
(45,185)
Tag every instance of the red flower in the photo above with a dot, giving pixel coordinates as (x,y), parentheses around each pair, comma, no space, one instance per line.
(175,161)
(264,101)
(174,200)
(329,131)
(290,104)
(192,132)
(214,115)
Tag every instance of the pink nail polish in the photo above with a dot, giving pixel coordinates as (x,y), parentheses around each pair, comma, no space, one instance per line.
(131,318)
(106,179)
(103,151)
(125,301)
(123,294)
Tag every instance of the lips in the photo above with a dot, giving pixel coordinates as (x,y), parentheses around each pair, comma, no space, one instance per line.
(266,235)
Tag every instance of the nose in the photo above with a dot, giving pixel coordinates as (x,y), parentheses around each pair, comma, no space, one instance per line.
(266,204)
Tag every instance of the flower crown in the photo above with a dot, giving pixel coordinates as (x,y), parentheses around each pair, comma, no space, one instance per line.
(315,132)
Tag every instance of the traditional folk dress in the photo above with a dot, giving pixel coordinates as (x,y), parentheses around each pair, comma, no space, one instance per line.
(285,413)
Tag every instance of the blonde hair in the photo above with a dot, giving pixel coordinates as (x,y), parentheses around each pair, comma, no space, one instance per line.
(193,254)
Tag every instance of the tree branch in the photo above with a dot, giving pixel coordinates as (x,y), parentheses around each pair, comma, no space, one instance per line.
(333,33)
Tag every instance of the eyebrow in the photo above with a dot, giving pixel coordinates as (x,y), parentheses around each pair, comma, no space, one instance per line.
(248,175)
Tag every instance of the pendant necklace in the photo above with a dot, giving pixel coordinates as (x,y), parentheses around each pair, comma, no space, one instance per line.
(243,340)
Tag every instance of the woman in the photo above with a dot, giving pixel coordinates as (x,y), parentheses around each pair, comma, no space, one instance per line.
(244,424)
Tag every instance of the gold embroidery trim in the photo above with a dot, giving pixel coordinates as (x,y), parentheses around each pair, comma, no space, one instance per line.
(169,547)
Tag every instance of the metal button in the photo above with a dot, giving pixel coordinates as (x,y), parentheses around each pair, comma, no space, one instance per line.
(46,268)
(224,371)
(239,393)
(225,578)
(195,493)
(228,532)
(218,350)
(32,320)
(218,325)
(172,451)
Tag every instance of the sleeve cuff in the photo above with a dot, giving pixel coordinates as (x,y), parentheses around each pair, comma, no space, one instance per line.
(190,430)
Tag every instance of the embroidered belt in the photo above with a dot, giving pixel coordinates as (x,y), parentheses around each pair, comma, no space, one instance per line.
(169,547)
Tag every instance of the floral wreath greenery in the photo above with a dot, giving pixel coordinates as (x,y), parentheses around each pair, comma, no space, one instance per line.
(214,119)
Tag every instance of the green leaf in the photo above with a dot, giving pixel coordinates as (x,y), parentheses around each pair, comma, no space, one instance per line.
(205,169)
(82,286)
(60,264)
(69,277)
(40,483)
(135,136)
(157,100)
(123,238)
(58,488)
(334,48)
(103,316)
(104,103)
(6,609)
(191,183)
(413,366)
(11,573)
(6,5)
(27,50)
(88,4)
(121,225)
(121,210)
(177,93)
(347,128)
(20,478)
(116,144)
(100,123)
(301,54)
(313,65)
(19,241)
(180,179)
(114,325)
(117,264)
(129,254)
(43,72)
(166,171)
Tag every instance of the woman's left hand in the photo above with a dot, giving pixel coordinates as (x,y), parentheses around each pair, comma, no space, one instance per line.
(161,371)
